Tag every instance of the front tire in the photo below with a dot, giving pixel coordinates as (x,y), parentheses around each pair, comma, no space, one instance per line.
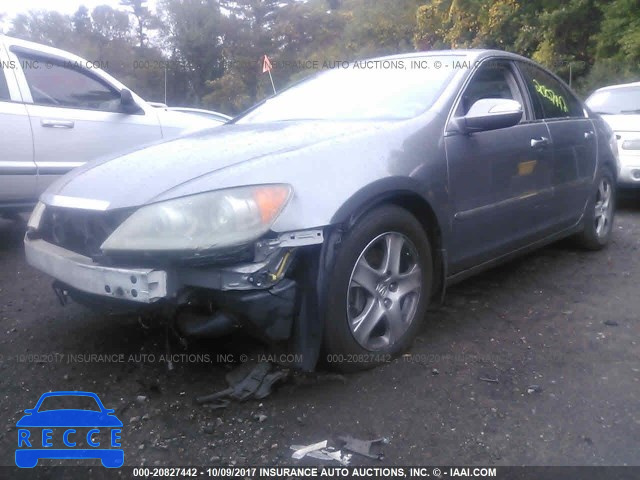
(379,289)
(600,213)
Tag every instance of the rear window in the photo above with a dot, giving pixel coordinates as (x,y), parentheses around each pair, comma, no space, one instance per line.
(551,99)
(616,101)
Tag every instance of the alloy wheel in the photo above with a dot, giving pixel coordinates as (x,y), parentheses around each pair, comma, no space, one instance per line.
(603,208)
(384,291)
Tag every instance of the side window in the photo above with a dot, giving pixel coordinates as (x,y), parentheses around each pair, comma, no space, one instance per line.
(493,80)
(4,89)
(58,85)
(550,98)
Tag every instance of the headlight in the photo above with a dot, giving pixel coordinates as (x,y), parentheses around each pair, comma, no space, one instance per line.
(204,221)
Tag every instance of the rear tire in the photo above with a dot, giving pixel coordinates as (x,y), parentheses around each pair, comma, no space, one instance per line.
(378,290)
(599,213)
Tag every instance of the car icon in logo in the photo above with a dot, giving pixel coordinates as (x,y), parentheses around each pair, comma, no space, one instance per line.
(69,425)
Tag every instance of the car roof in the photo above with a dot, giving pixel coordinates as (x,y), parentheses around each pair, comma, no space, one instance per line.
(620,85)
(40,47)
(473,54)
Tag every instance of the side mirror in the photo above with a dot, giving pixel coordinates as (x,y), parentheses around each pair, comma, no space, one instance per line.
(127,102)
(489,114)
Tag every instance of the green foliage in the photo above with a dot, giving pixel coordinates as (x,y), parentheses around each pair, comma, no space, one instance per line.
(211,51)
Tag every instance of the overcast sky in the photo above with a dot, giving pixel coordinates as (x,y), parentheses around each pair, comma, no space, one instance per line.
(13,7)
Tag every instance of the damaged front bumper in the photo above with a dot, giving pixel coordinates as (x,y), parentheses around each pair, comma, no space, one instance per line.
(147,285)
(216,299)
(80,272)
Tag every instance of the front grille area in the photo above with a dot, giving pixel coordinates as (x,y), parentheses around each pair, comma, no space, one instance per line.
(81,231)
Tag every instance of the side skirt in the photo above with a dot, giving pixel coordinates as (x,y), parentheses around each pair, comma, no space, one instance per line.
(458,277)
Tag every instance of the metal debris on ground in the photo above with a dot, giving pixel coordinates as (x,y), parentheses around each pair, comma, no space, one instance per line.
(534,389)
(364,447)
(247,381)
(490,380)
(320,451)
(302,451)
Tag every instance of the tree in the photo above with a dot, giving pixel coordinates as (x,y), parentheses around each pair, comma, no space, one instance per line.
(110,25)
(467,24)
(46,27)
(249,35)
(619,35)
(82,21)
(144,18)
(194,30)
(564,47)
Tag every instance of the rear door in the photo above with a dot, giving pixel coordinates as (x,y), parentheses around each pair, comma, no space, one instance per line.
(17,166)
(574,143)
(75,114)
(498,179)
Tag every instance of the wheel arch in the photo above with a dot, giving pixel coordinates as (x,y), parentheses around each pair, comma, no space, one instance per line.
(404,193)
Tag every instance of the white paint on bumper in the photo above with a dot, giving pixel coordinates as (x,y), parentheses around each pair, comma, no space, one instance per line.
(78,271)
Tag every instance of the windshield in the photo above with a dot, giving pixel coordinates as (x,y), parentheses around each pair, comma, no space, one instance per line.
(619,101)
(368,90)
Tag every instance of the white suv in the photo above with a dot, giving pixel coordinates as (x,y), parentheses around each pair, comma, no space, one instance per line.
(57,112)
(619,106)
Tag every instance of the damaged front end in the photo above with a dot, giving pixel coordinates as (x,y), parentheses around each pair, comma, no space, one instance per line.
(256,286)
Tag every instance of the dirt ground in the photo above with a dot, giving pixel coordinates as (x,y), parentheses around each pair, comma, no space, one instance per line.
(533,363)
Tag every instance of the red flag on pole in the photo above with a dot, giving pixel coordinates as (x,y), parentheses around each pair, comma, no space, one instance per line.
(266,65)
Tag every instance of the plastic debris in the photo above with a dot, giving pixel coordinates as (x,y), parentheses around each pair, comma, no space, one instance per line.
(363,447)
(264,390)
(301,452)
(247,381)
(326,454)
(534,389)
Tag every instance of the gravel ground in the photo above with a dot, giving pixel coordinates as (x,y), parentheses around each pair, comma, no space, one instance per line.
(532,363)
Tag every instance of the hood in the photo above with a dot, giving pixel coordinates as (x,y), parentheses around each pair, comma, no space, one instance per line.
(172,122)
(623,123)
(139,177)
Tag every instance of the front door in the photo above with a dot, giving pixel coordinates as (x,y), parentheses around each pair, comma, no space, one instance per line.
(18,171)
(76,116)
(499,179)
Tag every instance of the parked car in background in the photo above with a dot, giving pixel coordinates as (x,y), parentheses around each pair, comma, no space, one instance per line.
(210,114)
(619,106)
(334,212)
(58,111)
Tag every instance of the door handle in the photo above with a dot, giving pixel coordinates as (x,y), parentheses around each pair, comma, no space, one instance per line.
(540,142)
(57,123)
(589,135)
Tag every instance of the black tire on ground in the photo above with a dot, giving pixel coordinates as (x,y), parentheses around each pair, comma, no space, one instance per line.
(385,229)
(599,215)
